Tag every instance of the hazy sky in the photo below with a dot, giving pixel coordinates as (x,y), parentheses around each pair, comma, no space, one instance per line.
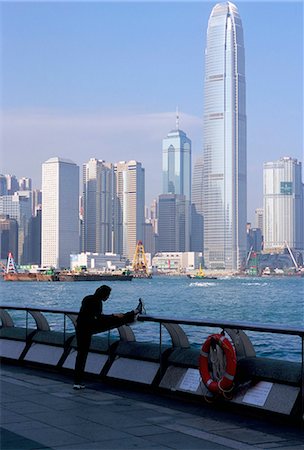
(103,79)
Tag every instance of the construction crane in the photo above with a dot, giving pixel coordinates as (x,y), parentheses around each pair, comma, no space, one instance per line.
(11,266)
(140,265)
(291,255)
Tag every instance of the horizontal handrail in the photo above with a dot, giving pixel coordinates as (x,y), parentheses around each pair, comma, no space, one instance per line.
(262,327)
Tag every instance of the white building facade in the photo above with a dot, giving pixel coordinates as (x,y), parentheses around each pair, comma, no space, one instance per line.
(283,204)
(129,207)
(97,196)
(60,212)
(176,261)
(97,261)
(225,172)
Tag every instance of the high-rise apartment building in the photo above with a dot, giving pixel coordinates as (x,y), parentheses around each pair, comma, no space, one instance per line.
(225,197)
(259,215)
(97,206)
(25,184)
(197,213)
(8,237)
(19,207)
(129,207)
(60,214)
(3,185)
(283,204)
(12,184)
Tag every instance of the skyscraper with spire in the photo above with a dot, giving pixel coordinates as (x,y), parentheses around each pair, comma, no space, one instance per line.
(177,177)
(177,162)
(225,173)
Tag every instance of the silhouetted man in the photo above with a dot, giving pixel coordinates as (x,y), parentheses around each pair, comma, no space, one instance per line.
(91,320)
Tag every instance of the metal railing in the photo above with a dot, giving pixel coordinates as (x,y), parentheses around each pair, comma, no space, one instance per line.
(177,335)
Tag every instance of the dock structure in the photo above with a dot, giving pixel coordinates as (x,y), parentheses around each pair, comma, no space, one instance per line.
(145,394)
(40,410)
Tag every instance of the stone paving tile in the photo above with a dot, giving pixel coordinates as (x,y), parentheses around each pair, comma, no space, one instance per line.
(210,438)
(206,424)
(146,430)
(26,407)
(248,435)
(12,441)
(57,419)
(96,432)
(292,447)
(162,409)
(182,441)
(19,428)
(134,443)
(12,417)
(52,402)
(108,418)
(131,443)
(280,445)
(49,437)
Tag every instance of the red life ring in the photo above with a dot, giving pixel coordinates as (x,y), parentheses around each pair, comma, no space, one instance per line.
(226,381)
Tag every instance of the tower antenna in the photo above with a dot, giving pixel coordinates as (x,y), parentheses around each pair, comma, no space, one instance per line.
(177,119)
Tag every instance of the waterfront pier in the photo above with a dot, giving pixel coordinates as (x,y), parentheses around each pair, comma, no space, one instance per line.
(143,394)
(40,410)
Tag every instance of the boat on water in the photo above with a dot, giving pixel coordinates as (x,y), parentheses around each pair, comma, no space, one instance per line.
(90,276)
(31,276)
(51,274)
(66,276)
(200,275)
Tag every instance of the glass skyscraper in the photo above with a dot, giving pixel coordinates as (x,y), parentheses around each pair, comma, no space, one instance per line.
(177,175)
(224,185)
(177,163)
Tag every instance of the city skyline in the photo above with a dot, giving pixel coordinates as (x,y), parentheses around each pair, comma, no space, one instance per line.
(109,91)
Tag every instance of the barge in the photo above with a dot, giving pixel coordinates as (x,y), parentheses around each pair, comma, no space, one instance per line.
(66,276)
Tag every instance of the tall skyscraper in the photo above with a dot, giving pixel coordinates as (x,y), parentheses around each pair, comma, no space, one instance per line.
(129,207)
(177,171)
(171,223)
(8,237)
(225,197)
(25,184)
(259,214)
(283,204)
(60,214)
(197,213)
(12,184)
(177,163)
(97,206)
(18,206)
(3,185)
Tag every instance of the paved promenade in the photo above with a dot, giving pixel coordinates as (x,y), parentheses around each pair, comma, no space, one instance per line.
(40,410)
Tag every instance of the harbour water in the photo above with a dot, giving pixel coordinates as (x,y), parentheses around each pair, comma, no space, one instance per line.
(257,300)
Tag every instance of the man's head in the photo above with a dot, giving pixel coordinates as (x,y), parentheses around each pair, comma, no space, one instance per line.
(103,292)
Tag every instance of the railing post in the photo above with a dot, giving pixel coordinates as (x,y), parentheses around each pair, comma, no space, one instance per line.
(64,328)
(302,383)
(160,348)
(26,325)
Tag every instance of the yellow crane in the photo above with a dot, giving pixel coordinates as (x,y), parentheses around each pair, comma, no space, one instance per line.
(140,265)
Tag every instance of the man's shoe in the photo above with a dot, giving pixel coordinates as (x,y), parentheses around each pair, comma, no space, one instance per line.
(140,309)
(79,386)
